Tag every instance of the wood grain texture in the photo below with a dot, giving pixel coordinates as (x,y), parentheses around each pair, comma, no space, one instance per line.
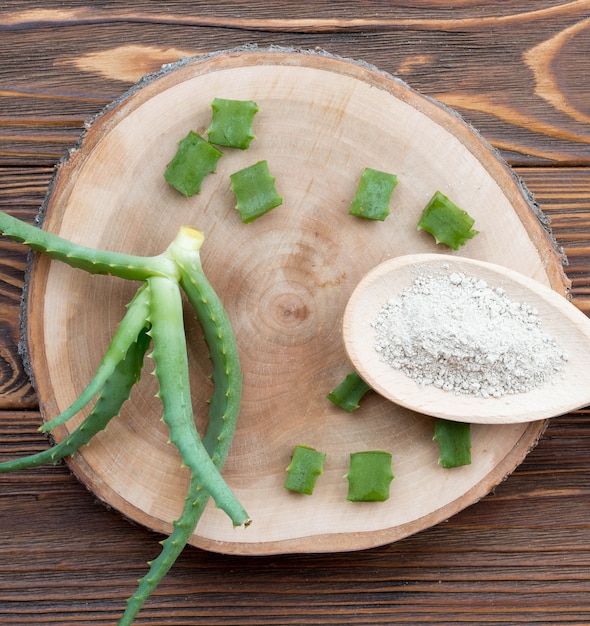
(519,556)
(284,281)
(512,73)
(563,194)
(515,70)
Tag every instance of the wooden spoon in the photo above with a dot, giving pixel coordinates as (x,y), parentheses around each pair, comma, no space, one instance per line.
(560,319)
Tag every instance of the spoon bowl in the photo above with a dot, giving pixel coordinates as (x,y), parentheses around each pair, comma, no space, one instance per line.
(561,320)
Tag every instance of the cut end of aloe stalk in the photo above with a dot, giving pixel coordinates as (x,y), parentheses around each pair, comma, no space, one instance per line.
(189,238)
(186,246)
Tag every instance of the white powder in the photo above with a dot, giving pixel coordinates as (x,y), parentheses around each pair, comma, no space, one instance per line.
(457,333)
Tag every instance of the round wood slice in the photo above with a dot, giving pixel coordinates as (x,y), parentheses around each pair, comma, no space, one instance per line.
(284,280)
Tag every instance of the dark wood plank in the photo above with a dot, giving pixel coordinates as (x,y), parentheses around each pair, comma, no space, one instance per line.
(564,196)
(521,555)
(512,73)
(326,15)
(21,194)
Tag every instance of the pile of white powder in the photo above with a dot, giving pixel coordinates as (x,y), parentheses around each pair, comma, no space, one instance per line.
(457,333)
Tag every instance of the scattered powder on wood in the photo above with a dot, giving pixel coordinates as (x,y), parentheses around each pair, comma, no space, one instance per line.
(457,333)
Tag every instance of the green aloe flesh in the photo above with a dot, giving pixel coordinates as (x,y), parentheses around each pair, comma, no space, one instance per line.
(348,394)
(194,159)
(255,191)
(306,465)
(369,476)
(231,123)
(373,195)
(454,442)
(446,222)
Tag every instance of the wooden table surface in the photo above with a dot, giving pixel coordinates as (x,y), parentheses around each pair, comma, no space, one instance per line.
(518,71)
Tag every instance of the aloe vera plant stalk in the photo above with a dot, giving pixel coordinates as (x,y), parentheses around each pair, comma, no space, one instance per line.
(155,317)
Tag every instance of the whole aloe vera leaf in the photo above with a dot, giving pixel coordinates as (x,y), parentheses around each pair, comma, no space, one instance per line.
(369,476)
(231,123)
(91,260)
(194,159)
(348,394)
(303,470)
(115,392)
(454,442)
(373,195)
(170,357)
(446,222)
(177,412)
(255,191)
(125,335)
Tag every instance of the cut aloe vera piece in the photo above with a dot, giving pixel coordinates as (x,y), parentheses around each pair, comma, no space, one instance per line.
(454,442)
(194,159)
(446,222)
(347,395)
(255,191)
(373,194)
(231,123)
(303,470)
(369,476)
